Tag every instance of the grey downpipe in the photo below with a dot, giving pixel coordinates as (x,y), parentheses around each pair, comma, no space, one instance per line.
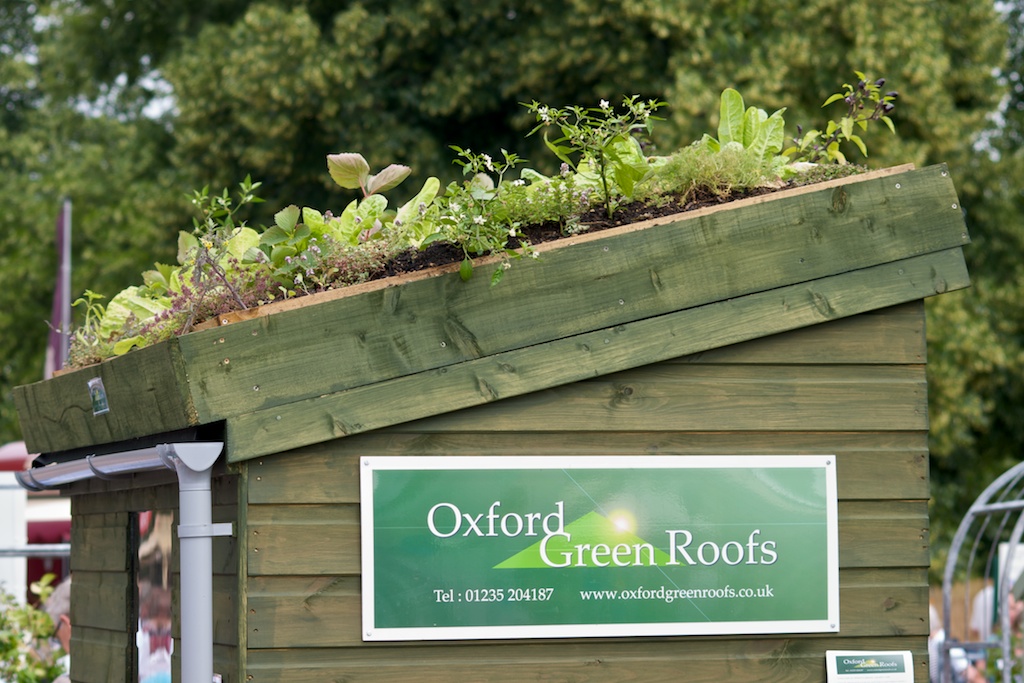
(194,464)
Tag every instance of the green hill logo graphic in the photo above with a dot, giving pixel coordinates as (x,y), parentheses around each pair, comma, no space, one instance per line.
(588,532)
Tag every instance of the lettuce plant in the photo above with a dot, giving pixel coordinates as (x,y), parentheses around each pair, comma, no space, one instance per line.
(747,128)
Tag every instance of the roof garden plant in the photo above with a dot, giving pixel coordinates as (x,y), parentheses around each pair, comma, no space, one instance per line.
(497,210)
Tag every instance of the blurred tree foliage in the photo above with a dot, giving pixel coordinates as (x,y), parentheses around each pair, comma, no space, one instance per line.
(270,88)
(976,337)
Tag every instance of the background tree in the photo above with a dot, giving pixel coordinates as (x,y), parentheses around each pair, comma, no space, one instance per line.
(270,88)
(976,336)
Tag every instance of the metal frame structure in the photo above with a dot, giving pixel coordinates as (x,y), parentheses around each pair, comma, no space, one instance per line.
(993,519)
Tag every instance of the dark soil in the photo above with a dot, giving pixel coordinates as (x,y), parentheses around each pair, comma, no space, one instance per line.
(596,220)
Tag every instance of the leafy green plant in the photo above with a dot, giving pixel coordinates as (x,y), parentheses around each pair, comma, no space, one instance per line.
(474,215)
(747,128)
(603,142)
(535,199)
(28,654)
(865,102)
(361,221)
(90,342)
(223,265)
(292,244)
(350,170)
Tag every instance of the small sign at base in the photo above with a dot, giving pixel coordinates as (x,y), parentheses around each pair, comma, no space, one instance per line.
(844,666)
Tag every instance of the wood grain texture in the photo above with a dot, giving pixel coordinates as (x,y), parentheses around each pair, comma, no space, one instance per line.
(765,660)
(102,600)
(569,360)
(789,394)
(147,392)
(899,229)
(598,284)
(101,656)
(869,465)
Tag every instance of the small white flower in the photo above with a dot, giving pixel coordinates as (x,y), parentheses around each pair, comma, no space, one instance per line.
(506,265)
(479,220)
(518,182)
(488,162)
(604,105)
(511,232)
(454,207)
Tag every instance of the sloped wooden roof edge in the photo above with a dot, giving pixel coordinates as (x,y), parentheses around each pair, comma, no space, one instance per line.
(396,352)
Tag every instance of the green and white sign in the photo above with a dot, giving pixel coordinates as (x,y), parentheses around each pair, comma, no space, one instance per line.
(854,666)
(546,547)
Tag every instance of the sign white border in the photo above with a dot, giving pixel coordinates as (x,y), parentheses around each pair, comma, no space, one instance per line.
(441,463)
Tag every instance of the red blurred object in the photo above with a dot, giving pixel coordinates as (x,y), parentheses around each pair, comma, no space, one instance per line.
(14,457)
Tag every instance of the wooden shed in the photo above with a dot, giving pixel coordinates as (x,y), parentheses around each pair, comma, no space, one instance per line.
(772,328)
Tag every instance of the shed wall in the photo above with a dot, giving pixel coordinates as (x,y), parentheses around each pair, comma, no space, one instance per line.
(854,387)
(103,605)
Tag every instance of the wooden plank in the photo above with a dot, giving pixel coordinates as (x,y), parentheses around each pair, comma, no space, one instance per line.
(871,531)
(146,390)
(113,501)
(615,280)
(302,611)
(102,600)
(245,478)
(328,608)
(326,536)
(715,398)
(889,336)
(99,543)
(225,610)
(699,660)
(225,662)
(100,656)
(892,465)
(592,354)
(393,331)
